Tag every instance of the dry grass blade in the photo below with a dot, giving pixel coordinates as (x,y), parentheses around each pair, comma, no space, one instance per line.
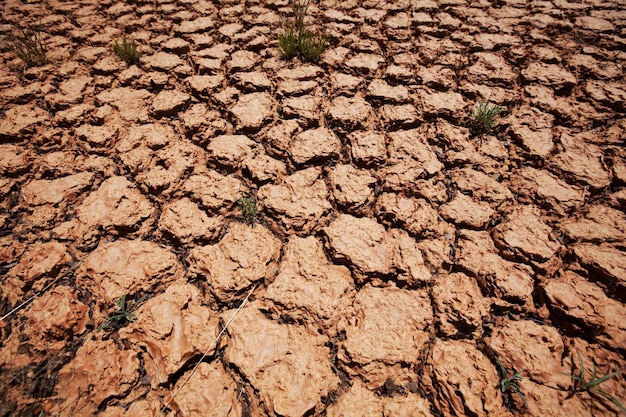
(27,45)
(206,352)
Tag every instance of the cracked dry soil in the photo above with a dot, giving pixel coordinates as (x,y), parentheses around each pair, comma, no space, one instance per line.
(397,254)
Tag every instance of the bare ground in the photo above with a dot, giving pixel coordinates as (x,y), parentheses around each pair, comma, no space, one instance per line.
(397,255)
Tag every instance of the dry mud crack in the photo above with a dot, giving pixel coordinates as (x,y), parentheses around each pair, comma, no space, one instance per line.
(397,255)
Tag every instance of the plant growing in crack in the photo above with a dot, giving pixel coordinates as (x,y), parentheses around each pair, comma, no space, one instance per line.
(484,115)
(26,44)
(510,383)
(125,312)
(592,385)
(297,38)
(127,51)
(248,209)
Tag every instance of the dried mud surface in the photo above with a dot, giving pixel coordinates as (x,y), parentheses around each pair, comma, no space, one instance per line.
(397,254)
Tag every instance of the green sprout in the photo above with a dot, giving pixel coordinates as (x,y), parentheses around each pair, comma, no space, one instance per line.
(288,42)
(296,37)
(592,385)
(484,114)
(27,45)
(248,208)
(510,384)
(125,312)
(127,51)
(312,45)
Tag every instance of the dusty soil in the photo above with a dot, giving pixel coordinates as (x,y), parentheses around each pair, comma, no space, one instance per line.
(397,254)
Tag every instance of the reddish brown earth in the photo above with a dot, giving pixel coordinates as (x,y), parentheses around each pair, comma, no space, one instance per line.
(397,252)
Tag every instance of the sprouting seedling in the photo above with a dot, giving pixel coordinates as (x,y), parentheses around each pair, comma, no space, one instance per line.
(248,208)
(592,385)
(510,383)
(125,311)
(26,44)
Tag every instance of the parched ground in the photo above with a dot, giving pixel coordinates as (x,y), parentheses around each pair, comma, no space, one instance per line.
(397,255)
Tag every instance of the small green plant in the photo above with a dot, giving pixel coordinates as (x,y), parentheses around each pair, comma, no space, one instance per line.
(127,51)
(288,42)
(296,37)
(125,312)
(27,45)
(248,208)
(484,114)
(592,385)
(510,383)
(312,45)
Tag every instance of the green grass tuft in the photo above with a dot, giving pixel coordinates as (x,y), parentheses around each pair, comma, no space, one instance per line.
(127,51)
(288,42)
(248,209)
(125,312)
(297,38)
(27,45)
(484,114)
(510,383)
(591,385)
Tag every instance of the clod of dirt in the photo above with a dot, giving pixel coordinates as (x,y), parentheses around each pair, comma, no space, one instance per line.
(496,276)
(533,130)
(125,267)
(251,111)
(448,103)
(583,160)
(64,189)
(138,408)
(377,342)
(298,203)
(98,371)
(465,211)
(380,90)
(458,303)
(415,215)
(316,144)
(359,401)
(352,188)
(551,75)
(173,327)
(37,267)
(308,283)
(536,349)
(481,185)
(462,388)
(580,301)
(169,103)
(245,255)
(368,148)
(351,113)
(230,150)
(214,191)
(286,364)
(412,145)
(218,398)
(525,235)
(129,102)
(185,222)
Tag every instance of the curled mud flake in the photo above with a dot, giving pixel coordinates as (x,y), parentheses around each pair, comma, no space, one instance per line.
(536,349)
(600,224)
(14,159)
(37,267)
(169,103)
(20,121)
(245,255)
(98,371)
(368,147)
(230,150)
(199,25)
(481,185)
(380,90)
(606,260)
(365,63)
(377,342)
(129,102)
(449,103)
(286,364)
(173,327)
(459,304)
(352,188)
(550,75)
(467,387)
(351,113)
(525,234)
(264,168)
(578,300)
(308,283)
(214,191)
